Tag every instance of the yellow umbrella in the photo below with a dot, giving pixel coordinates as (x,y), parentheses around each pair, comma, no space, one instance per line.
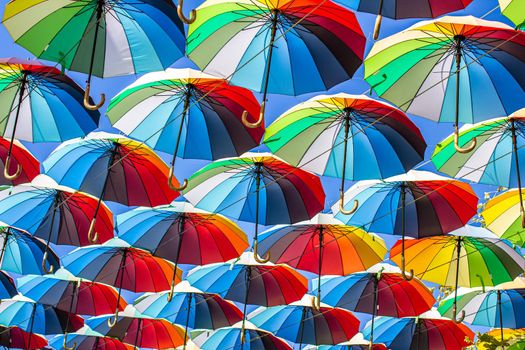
(502,216)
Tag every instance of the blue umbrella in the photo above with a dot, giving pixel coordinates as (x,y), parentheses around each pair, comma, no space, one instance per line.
(22,253)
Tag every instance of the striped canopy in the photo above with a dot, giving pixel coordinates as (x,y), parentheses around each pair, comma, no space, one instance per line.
(501,215)
(399,9)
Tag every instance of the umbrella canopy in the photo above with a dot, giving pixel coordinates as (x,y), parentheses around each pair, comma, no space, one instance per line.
(379,140)
(112,167)
(502,215)
(452,69)
(20,158)
(23,254)
(198,115)
(139,331)
(88,341)
(15,337)
(421,333)
(237,338)
(7,286)
(513,10)
(302,323)
(510,335)
(358,342)
(55,213)
(37,318)
(71,294)
(99,37)
(287,47)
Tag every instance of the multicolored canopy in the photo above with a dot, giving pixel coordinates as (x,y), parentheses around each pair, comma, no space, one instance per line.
(314,45)
(399,9)
(501,215)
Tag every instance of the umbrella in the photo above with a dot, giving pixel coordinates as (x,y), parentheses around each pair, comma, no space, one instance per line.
(15,337)
(19,158)
(86,339)
(7,286)
(37,318)
(319,134)
(236,337)
(495,158)
(418,204)
(121,266)
(483,261)
(199,116)
(39,104)
(503,215)
(247,281)
(377,293)
(510,335)
(139,331)
(399,9)
(283,194)
(324,246)
(99,37)
(55,213)
(207,238)
(420,68)
(287,47)
(114,168)
(513,10)
(23,254)
(302,323)
(495,308)
(190,307)
(421,333)
(358,342)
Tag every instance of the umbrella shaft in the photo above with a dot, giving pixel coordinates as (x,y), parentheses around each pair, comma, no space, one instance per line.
(458,249)
(500,317)
(270,53)
(182,118)
(31,326)
(55,205)
(257,188)
(347,131)
(517,162)
(374,311)
(20,100)
(4,246)
(302,329)
(135,343)
(181,235)
(187,321)
(248,282)
(100,5)
(458,68)
(321,236)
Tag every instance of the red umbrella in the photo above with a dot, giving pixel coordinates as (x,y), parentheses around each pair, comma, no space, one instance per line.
(21,163)
(14,337)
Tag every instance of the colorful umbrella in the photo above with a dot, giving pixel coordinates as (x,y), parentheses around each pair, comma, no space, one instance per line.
(302,323)
(318,135)
(287,47)
(421,333)
(483,261)
(324,246)
(495,158)
(114,168)
(207,238)
(399,9)
(23,254)
(503,216)
(246,281)
(358,342)
(377,293)
(510,335)
(55,213)
(15,337)
(37,318)
(139,331)
(85,339)
(247,338)
(420,68)
(184,103)
(190,307)
(513,10)
(121,266)
(99,37)
(19,158)
(418,204)
(7,286)
(39,104)
(283,194)
(495,308)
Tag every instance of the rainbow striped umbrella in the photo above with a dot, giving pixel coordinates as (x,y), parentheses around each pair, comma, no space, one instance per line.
(195,115)
(99,37)
(452,69)
(503,216)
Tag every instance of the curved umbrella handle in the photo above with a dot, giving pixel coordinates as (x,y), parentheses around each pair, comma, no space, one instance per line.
(193,14)
(454,315)
(482,282)
(112,323)
(64,345)
(522,213)
(170,293)
(243,338)
(87,104)
(316,303)
(44,268)
(92,238)
(377,26)
(467,149)
(259,121)
(262,260)
(342,205)
(175,188)
(403,270)
(6,169)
